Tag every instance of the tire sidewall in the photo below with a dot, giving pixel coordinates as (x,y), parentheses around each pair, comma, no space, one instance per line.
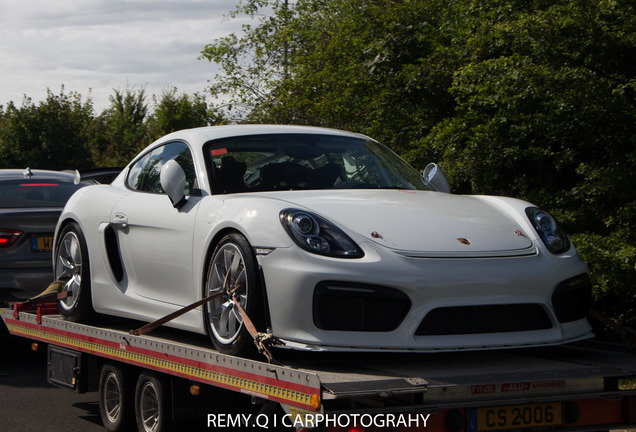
(243,345)
(82,309)
(163,421)
(125,404)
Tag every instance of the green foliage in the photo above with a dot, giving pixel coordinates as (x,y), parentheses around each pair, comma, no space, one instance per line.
(612,262)
(122,126)
(547,118)
(545,111)
(47,135)
(254,62)
(380,68)
(63,132)
(377,67)
(175,111)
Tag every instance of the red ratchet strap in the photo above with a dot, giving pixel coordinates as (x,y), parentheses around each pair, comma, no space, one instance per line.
(44,305)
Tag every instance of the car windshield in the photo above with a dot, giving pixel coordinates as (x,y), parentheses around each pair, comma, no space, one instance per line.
(32,193)
(305,161)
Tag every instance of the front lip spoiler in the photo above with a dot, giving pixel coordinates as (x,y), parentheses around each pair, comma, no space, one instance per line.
(530,251)
(288,344)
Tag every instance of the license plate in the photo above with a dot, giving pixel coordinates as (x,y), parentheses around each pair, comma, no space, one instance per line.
(41,243)
(515,417)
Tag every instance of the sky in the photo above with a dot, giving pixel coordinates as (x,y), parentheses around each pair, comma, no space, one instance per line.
(94,46)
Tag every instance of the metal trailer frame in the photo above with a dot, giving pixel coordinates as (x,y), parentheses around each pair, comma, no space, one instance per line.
(446,392)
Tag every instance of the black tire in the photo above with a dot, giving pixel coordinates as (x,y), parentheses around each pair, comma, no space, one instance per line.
(72,267)
(152,404)
(116,405)
(223,320)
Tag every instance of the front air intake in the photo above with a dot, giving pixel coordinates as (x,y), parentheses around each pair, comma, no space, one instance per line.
(502,318)
(358,307)
(572,298)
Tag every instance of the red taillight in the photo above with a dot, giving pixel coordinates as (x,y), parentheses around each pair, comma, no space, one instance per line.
(38,184)
(8,237)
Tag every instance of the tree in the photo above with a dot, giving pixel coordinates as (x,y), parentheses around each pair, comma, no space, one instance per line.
(253,64)
(51,135)
(121,129)
(545,110)
(173,111)
(377,67)
(63,132)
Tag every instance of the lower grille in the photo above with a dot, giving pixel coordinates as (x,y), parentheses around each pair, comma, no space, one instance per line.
(357,307)
(484,319)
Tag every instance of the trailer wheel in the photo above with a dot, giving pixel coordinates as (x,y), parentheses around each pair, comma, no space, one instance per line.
(151,404)
(233,266)
(115,399)
(72,267)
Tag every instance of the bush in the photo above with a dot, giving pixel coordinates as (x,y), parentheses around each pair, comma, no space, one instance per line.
(612,263)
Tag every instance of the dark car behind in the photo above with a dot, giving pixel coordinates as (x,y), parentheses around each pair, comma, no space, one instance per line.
(30,204)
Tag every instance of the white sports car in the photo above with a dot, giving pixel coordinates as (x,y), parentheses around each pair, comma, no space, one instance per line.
(327,239)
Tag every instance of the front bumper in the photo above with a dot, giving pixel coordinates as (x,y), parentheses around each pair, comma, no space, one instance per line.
(292,277)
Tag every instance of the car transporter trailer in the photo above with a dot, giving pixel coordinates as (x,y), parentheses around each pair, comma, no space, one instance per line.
(169,377)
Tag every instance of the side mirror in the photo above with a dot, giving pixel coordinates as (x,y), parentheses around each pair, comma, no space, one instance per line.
(173,182)
(435,178)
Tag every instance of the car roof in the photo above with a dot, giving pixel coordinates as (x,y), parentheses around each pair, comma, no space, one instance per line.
(208,133)
(28,173)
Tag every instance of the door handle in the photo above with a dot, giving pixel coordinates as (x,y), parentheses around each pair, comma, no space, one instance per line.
(120,219)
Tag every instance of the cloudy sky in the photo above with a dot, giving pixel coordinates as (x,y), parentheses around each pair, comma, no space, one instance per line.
(95,46)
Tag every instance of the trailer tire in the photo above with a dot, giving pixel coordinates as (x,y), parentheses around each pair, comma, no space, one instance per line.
(152,404)
(115,399)
(72,267)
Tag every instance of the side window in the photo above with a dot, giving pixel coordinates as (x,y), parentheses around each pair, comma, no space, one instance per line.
(144,174)
(135,177)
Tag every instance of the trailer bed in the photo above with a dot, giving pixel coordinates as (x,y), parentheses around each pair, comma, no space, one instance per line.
(310,382)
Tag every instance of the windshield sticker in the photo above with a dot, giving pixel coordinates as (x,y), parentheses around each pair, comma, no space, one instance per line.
(217,152)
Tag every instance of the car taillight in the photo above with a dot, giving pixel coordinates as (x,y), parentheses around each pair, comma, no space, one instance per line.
(8,237)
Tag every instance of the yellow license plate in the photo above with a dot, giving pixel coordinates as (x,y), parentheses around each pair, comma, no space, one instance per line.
(515,417)
(41,243)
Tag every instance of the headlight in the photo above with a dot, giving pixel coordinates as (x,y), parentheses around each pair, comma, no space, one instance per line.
(551,234)
(317,235)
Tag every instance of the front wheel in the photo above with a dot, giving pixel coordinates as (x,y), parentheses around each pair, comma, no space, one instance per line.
(72,268)
(232,271)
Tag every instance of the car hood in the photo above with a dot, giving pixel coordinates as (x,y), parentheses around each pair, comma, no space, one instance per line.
(421,223)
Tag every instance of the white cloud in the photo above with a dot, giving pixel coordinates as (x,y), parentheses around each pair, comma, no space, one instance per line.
(99,45)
